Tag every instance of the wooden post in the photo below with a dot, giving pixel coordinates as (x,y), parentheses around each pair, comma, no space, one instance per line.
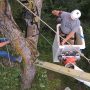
(63,70)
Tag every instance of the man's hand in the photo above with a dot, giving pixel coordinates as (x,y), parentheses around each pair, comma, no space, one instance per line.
(68,37)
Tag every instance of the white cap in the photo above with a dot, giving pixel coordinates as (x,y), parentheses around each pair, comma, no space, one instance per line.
(75,14)
(67,88)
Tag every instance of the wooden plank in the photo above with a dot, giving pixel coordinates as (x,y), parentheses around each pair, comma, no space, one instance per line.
(63,70)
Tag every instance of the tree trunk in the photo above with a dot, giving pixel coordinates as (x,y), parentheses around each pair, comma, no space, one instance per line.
(33,28)
(25,47)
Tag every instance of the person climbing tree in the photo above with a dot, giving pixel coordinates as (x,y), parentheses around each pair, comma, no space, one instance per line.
(70,24)
(3,42)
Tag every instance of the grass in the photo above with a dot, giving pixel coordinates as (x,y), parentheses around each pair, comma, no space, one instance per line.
(9,78)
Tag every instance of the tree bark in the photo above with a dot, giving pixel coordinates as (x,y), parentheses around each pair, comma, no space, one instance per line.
(33,27)
(25,47)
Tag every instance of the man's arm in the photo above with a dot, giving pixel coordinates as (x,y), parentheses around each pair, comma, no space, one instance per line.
(57,12)
(4,43)
(68,37)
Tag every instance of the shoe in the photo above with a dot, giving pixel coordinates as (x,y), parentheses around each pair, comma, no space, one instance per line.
(19,59)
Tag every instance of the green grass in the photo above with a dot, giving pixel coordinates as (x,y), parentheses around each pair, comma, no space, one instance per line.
(9,78)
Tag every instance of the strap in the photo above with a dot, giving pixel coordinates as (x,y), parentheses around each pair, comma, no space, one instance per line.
(33,7)
(24,1)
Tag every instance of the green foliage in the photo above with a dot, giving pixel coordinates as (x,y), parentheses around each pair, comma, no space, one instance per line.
(17,11)
(16,8)
(9,78)
(42,81)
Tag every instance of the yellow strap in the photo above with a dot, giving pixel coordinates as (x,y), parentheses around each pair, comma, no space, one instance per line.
(31,4)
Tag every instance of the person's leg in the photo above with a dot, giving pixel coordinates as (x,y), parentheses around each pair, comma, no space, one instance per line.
(9,56)
(3,39)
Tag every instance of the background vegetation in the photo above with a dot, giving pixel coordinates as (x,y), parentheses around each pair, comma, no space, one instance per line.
(45,79)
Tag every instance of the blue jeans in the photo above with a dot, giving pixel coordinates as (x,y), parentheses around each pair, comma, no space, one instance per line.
(3,40)
(7,56)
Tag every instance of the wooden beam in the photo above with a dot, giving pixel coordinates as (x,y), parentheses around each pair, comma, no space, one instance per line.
(63,70)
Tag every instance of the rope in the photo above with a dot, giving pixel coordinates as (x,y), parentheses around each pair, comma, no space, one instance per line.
(52,29)
(46,39)
(49,42)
